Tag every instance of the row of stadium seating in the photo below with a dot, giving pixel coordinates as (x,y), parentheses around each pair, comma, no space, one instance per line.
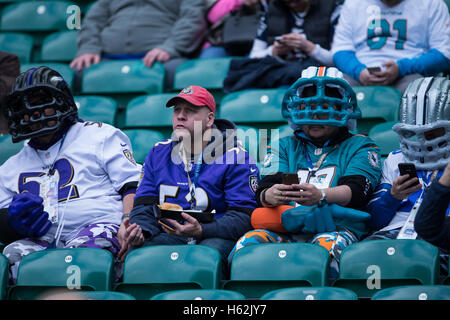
(365,269)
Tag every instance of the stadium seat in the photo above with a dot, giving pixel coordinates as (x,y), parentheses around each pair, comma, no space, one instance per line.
(313,293)
(123,79)
(18,43)
(150,111)
(378,104)
(96,108)
(251,138)
(88,295)
(254,106)
(3,276)
(35,16)
(447,2)
(59,46)
(368,266)
(8,148)
(208,73)
(155,269)
(142,141)
(431,292)
(385,137)
(258,269)
(87,269)
(63,69)
(199,294)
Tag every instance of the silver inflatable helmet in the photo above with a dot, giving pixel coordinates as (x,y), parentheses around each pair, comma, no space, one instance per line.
(425,106)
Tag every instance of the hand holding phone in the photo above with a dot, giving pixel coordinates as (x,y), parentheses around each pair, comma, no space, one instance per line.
(410,169)
(374,69)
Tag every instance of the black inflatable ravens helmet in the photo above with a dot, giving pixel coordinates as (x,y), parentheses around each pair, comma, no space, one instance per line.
(34,92)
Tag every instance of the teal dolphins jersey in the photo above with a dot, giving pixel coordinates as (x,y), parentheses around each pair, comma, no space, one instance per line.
(356,155)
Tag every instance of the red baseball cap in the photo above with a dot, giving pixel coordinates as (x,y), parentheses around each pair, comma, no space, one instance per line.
(195,95)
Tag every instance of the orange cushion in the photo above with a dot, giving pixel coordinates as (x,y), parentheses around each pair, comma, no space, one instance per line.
(269,218)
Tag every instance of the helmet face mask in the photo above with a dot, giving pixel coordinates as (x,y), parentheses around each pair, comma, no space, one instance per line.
(424,128)
(324,100)
(38,108)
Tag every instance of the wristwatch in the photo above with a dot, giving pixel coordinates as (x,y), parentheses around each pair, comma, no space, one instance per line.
(323,200)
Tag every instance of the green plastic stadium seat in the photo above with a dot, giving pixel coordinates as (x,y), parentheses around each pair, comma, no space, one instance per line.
(251,106)
(149,111)
(35,16)
(142,141)
(430,292)
(254,140)
(447,2)
(123,79)
(155,269)
(199,294)
(368,266)
(90,295)
(8,148)
(314,293)
(258,269)
(377,104)
(59,46)
(3,276)
(96,108)
(88,269)
(63,69)
(385,137)
(208,73)
(18,43)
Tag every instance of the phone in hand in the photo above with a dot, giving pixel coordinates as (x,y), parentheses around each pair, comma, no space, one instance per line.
(289,178)
(166,224)
(374,69)
(408,168)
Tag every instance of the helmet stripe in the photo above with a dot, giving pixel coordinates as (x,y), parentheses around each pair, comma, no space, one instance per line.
(321,72)
(30,74)
(421,95)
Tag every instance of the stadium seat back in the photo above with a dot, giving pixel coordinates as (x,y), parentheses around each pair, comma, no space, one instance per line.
(313,293)
(96,108)
(35,16)
(256,270)
(250,106)
(199,294)
(155,269)
(59,46)
(123,79)
(368,266)
(142,141)
(430,292)
(385,137)
(4,265)
(89,295)
(378,104)
(69,269)
(20,44)
(8,148)
(149,111)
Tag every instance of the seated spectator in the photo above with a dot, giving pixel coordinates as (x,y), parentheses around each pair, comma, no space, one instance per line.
(216,16)
(71,183)
(336,170)
(432,222)
(292,36)
(392,42)
(9,70)
(202,168)
(424,133)
(165,31)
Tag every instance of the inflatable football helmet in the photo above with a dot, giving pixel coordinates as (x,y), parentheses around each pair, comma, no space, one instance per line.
(321,97)
(33,94)
(424,128)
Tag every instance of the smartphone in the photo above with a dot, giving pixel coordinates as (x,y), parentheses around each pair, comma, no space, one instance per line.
(373,69)
(289,178)
(408,168)
(167,225)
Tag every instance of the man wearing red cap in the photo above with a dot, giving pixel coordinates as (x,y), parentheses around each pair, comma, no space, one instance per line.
(201,168)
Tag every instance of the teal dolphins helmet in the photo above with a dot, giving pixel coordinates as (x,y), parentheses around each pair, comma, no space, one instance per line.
(424,127)
(321,96)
